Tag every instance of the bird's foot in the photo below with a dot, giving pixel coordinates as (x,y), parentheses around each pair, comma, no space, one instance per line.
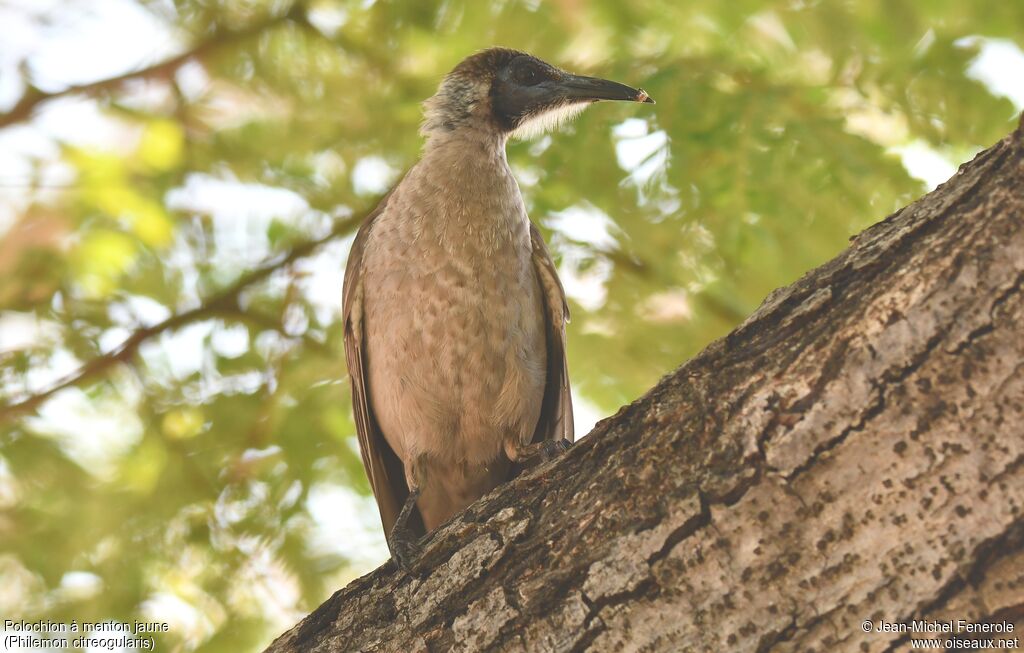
(405,548)
(542,452)
(402,541)
(558,446)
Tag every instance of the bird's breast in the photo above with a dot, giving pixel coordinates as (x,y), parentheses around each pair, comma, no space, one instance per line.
(454,321)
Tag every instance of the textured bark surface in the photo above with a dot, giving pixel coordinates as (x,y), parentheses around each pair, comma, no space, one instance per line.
(853,451)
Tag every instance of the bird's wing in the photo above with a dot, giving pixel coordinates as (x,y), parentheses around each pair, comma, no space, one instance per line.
(555,421)
(383,468)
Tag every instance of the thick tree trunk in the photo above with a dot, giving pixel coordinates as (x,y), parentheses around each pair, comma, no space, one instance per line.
(853,452)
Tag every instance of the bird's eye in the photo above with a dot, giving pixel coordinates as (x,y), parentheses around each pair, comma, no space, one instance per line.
(527,74)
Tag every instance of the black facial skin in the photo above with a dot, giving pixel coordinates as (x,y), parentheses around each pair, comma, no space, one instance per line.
(526,86)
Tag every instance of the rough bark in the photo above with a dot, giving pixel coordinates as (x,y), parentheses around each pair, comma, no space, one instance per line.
(853,451)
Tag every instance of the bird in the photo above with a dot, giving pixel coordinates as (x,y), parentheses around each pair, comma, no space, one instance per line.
(454,316)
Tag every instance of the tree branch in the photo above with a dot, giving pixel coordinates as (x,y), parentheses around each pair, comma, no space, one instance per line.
(33,97)
(223,303)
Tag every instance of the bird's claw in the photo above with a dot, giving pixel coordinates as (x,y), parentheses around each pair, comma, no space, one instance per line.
(404,550)
(554,447)
(544,452)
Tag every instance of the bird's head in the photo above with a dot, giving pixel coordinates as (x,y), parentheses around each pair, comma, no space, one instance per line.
(510,93)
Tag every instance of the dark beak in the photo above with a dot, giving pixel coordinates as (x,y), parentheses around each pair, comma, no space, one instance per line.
(577,87)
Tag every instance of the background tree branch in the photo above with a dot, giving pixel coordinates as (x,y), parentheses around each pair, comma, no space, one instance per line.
(224,303)
(220,39)
(851,453)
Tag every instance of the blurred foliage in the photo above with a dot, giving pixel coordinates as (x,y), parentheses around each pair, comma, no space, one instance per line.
(175,481)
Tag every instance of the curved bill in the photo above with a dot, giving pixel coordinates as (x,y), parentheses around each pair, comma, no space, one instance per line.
(578,87)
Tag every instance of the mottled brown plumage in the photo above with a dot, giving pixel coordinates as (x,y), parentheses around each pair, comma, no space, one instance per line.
(454,316)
